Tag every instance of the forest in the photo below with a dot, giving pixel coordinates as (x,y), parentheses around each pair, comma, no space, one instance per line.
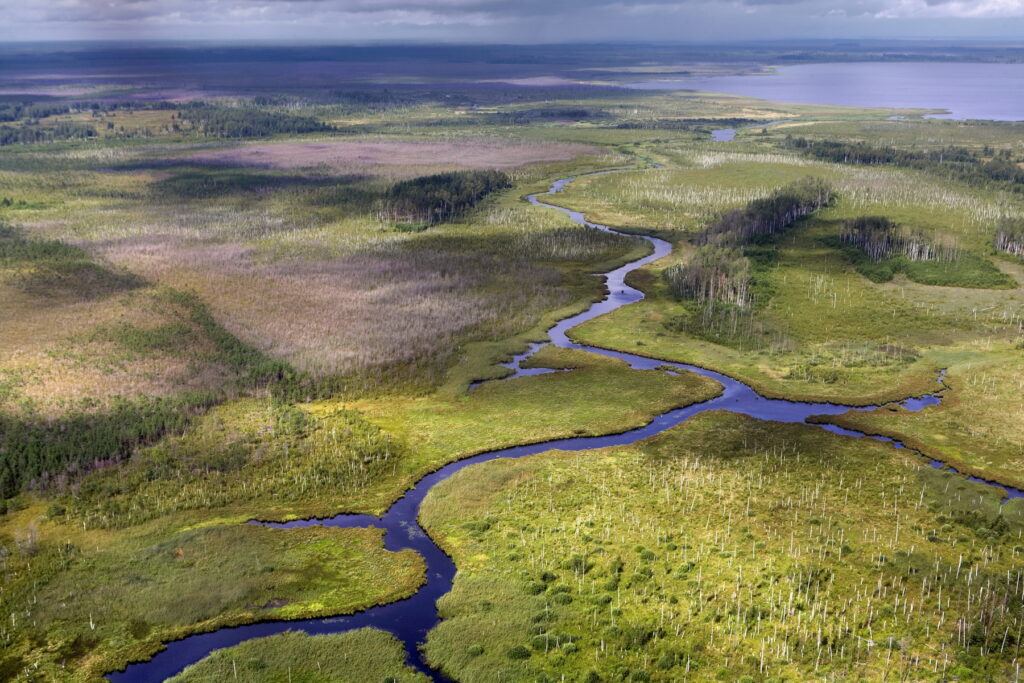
(437,198)
(978,166)
(247,121)
(719,270)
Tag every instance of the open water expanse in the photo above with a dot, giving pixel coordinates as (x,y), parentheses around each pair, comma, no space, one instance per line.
(965,90)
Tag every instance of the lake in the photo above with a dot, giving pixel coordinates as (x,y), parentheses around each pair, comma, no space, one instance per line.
(966,90)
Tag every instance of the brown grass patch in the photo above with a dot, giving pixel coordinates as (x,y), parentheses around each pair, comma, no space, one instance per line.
(365,154)
(51,360)
(359,313)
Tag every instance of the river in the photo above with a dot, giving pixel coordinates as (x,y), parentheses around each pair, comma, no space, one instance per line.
(412,618)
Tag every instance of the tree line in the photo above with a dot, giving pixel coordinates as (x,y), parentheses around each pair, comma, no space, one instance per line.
(63,130)
(439,197)
(726,274)
(960,163)
(1010,236)
(880,239)
(719,269)
(247,122)
(30,110)
(767,216)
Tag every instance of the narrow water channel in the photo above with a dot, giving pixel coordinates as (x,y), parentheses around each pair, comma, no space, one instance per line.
(412,618)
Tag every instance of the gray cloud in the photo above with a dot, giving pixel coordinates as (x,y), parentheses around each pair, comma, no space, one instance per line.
(512,20)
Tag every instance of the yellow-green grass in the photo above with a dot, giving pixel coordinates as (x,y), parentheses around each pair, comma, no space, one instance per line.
(680,200)
(913,133)
(822,315)
(86,602)
(601,396)
(250,459)
(365,655)
(726,549)
(978,427)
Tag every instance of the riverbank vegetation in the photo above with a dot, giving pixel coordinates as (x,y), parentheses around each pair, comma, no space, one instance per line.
(273,462)
(73,596)
(351,657)
(976,428)
(723,549)
(820,336)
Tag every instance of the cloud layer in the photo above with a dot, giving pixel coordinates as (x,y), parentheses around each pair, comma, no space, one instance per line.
(510,20)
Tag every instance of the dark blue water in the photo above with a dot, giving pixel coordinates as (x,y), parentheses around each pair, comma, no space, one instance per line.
(411,619)
(963,90)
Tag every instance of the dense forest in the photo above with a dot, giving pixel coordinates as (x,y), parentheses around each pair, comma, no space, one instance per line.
(247,122)
(435,198)
(960,163)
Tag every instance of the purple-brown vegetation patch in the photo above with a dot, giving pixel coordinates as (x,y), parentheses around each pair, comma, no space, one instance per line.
(466,154)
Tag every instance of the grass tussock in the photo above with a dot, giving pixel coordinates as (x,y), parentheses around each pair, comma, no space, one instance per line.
(725,549)
(76,596)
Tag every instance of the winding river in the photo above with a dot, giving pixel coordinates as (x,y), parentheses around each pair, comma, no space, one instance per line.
(412,618)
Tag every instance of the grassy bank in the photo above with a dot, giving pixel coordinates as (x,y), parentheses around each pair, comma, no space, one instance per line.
(725,549)
(976,428)
(353,657)
(76,595)
(256,460)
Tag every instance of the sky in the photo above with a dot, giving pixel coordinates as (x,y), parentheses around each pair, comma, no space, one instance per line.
(511,21)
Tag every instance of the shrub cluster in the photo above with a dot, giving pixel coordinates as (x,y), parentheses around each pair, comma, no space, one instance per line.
(1010,236)
(967,165)
(435,198)
(881,239)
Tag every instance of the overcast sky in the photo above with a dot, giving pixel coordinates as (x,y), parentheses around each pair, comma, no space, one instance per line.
(517,21)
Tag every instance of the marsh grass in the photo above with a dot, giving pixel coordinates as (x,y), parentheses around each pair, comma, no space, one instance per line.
(277,460)
(76,596)
(976,428)
(817,302)
(725,548)
(350,657)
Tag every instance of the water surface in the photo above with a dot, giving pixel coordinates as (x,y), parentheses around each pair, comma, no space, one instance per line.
(964,90)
